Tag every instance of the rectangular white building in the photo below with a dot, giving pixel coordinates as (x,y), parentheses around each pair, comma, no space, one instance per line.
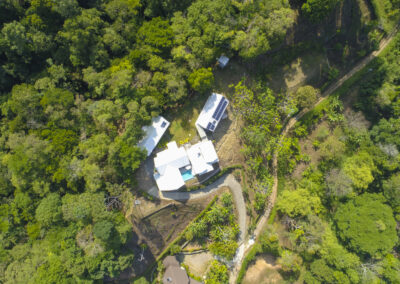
(212,112)
(153,134)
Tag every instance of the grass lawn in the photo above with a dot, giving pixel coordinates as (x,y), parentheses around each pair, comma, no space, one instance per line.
(183,119)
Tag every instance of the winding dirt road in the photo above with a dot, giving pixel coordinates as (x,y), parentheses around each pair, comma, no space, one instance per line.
(289,125)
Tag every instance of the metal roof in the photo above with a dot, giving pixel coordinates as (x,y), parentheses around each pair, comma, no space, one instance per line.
(223,61)
(153,134)
(212,112)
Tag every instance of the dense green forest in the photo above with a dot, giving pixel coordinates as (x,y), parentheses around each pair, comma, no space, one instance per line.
(79,79)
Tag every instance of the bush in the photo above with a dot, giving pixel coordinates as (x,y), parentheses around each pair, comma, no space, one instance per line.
(333,73)
(260,201)
(317,10)
(269,242)
(290,262)
(225,249)
(301,131)
(316,144)
(322,133)
(306,96)
(218,274)
(201,80)
(141,280)
(175,249)
(103,230)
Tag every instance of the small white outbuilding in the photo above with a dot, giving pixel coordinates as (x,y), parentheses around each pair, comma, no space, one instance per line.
(223,61)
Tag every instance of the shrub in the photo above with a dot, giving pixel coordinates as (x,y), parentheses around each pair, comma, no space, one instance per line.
(306,96)
(103,230)
(218,274)
(322,133)
(225,249)
(175,249)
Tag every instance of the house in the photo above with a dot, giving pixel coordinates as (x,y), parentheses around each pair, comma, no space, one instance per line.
(175,274)
(176,165)
(212,112)
(169,165)
(153,134)
(202,156)
(223,61)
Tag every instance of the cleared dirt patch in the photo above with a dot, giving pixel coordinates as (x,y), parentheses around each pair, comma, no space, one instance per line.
(263,271)
(231,74)
(198,263)
(144,207)
(227,141)
(164,226)
(304,69)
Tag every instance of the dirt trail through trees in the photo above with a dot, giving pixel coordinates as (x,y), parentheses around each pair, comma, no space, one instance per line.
(272,198)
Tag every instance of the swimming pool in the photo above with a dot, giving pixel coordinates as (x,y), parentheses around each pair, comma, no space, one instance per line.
(187,175)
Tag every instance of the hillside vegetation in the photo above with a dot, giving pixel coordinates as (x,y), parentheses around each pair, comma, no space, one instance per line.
(341,215)
(79,79)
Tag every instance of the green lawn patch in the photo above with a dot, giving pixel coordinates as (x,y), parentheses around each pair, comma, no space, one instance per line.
(183,119)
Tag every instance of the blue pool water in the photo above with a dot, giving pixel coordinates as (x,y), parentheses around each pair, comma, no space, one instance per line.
(187,175)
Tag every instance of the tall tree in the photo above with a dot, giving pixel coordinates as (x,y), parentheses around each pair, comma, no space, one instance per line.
(366,225)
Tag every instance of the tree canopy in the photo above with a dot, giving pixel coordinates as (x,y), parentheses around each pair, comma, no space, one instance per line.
(317,10)
(300,202)
(366,225)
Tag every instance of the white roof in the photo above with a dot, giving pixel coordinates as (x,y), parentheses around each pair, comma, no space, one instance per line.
(168,163)
(153,134)
(223,60)
(202,155)
(173,157)
(212,112)
(170,180)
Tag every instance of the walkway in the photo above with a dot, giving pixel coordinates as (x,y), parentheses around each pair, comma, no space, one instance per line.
(271,202)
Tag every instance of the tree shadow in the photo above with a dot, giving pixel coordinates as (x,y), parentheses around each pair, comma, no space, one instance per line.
(221,130)
(143,257)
